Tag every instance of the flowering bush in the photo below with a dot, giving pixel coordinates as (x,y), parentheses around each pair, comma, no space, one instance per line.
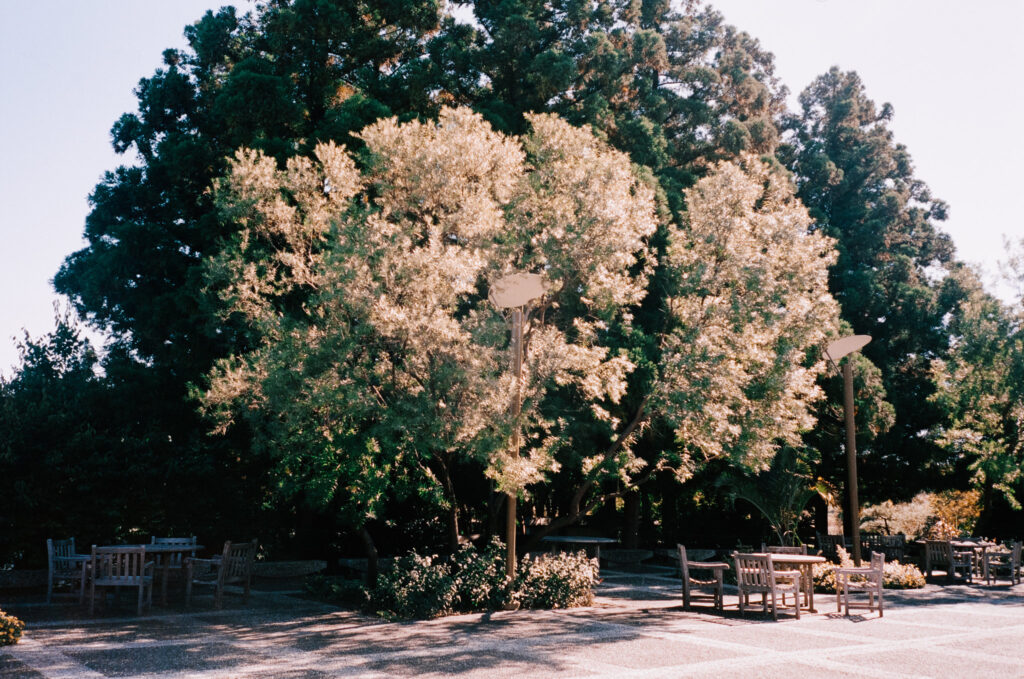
(895,575)
(556,581)
(417,587)
(429,586)
(10,629)
(938,516)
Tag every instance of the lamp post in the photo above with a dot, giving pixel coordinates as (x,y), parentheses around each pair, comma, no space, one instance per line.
(514,292)
(835,351)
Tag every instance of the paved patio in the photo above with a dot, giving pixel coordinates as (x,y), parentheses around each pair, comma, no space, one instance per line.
(636,629)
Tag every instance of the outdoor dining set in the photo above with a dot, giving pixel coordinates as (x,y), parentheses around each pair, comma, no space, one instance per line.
(140,566)
(779,573)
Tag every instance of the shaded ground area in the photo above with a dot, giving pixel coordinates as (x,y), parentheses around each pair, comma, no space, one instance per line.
(636,629)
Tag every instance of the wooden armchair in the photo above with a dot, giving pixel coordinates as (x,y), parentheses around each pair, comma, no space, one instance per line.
(756,575)
(868,579)
(999,561)
(233,566)
(64,566)
(120,567)
(717,569)
(963,562)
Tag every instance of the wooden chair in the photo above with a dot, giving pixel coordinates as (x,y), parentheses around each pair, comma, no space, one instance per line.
(756,575)
(176,560)
(120,567)
(963,562)
(781,549)
(717,569)
(233,566)
(936,553)
(867,579)
(64,566)
(998,561)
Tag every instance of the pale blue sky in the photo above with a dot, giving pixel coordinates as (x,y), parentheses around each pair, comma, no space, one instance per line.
(952,71)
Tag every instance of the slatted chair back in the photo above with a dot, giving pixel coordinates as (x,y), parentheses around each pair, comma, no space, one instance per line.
(783,549)
(236,565)
(176,558)
(120,567)
(937,553)
(754,573)
(61,565)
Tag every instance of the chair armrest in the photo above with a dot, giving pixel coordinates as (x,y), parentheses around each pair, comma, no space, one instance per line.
(787,574)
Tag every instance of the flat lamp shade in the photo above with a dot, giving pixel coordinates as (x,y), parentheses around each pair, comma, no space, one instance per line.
(517,289)
(846,345)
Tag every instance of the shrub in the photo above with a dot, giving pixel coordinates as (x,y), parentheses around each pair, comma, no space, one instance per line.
(556,581)
(10,629)
(480,580)
(419,587)
(896,575)
(429,586)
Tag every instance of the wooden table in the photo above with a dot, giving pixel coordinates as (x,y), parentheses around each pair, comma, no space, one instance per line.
(584,540)
(805,564)
(169,551)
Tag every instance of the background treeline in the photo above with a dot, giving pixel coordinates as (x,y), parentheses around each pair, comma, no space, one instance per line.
(105,446)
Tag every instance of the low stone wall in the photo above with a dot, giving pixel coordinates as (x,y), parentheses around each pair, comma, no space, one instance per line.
(22,579)
(287,569)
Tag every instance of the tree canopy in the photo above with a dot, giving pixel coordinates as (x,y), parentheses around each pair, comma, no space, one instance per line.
(293,266)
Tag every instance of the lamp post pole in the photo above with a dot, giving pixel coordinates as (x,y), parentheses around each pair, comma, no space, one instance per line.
(835,351)
(851,459)
(514,292)
(517,404)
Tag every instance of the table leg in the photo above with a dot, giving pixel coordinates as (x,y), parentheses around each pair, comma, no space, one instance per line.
(808,571)
(163,586)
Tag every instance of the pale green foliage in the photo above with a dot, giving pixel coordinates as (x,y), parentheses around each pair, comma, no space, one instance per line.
(910,518)
(375,348)
(753,299)
(395,332)
(950,513)
(979,385)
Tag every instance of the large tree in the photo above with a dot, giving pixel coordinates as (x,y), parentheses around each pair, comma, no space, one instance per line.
(367,294)
(860,188)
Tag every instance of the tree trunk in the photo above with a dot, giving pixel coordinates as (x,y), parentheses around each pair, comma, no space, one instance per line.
(631,519)
(371,556)
(453,505)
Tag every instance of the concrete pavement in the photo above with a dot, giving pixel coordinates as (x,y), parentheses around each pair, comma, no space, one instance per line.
(636,629)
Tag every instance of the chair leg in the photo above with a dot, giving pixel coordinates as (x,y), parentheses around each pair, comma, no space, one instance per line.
(141,597)
(49,589)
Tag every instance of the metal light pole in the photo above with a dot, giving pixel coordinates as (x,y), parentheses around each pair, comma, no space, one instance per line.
(515,292)
(835,351)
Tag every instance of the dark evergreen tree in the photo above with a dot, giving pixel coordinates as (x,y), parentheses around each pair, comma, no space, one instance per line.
(859,185)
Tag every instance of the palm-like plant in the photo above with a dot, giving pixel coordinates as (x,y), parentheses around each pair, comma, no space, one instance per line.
(780,492)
